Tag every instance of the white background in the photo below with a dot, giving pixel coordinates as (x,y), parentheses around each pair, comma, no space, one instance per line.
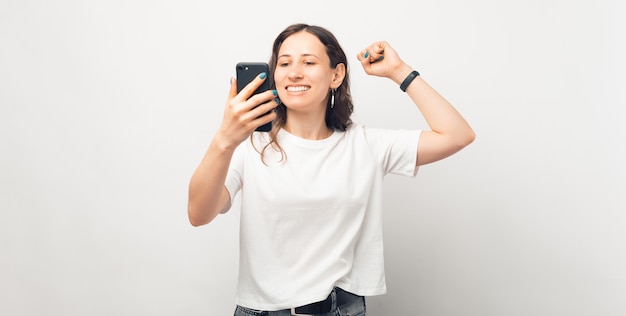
(106,107)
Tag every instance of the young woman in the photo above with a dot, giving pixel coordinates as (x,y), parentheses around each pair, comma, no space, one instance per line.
(311,189)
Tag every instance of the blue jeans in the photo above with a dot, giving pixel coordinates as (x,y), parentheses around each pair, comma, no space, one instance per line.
(354,305)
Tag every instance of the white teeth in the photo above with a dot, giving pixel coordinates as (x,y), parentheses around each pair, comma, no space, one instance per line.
(297,89)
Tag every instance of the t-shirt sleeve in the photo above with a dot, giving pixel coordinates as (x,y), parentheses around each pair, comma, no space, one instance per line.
(234,178)
(396,149)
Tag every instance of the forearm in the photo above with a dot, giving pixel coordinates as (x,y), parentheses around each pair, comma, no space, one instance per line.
(449,131)
(207,195)
(441,116)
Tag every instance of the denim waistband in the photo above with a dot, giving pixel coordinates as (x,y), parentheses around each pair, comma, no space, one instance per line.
(336,299)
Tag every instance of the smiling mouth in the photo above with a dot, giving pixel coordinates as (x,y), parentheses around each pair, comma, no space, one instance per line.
(297,88)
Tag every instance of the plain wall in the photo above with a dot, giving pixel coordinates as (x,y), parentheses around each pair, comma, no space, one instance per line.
(106,108)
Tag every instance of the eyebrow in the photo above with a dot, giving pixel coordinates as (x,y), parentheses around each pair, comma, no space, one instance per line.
(303,55)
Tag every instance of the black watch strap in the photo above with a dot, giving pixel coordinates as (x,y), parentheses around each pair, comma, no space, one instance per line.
(405,84)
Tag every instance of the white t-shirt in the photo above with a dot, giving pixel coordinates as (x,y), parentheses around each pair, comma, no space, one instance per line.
(314,220)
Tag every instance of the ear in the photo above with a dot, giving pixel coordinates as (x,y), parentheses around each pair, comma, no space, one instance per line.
(340,73)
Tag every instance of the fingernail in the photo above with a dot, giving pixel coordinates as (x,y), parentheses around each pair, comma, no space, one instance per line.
(277,100)
(263,75)
(366,54)
(274,92)
(381,57)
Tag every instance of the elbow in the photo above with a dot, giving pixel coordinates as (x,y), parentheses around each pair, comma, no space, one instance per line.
(469,138)
(195,223)
(201,214)
(465,139)
(198,222)
(194,219)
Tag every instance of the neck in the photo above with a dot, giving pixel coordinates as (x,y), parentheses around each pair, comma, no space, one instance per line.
(307,129)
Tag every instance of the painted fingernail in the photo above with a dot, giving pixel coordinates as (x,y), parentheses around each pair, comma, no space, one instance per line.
(274,92)
(367,54)
(381,57)
(263,75)
(277,100)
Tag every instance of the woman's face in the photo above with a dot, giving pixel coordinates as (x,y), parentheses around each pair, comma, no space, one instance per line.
(303,75)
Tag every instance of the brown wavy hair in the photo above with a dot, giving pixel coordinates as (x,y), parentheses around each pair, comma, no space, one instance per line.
(337,117)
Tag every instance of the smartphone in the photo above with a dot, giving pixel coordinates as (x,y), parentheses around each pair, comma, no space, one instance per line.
(246,72)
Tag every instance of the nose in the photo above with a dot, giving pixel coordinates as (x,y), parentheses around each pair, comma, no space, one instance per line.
(295,72)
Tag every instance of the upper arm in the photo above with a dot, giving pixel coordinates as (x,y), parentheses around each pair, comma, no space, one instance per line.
(434,146)
(225,201)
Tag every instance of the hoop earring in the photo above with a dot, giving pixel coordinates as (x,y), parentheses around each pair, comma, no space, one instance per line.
(332,98)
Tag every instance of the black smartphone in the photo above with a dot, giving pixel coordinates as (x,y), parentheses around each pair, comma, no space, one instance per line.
(246,72)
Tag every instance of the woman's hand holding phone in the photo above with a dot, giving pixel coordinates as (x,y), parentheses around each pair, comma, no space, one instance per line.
(248,71)
(246,111)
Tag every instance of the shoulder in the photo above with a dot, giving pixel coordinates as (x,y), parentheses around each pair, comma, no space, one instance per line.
(381,136)
(365,131)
